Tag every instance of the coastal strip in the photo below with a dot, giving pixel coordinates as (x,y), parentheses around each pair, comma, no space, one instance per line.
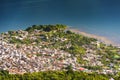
(99,38)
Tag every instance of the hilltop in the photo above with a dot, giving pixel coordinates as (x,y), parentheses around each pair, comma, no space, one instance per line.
(55,48)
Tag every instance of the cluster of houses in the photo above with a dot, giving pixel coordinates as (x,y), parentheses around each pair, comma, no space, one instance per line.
(93,58)
(31,58)
(35,59)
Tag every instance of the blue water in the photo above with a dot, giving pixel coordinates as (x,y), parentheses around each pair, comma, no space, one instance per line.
(110,33)
(100,17)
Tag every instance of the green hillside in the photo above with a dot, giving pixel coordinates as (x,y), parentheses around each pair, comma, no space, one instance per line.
(73,56)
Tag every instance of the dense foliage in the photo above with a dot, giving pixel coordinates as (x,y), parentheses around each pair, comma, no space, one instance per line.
(53,75)
(47,28)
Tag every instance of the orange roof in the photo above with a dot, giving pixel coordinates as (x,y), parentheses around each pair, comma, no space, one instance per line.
(81,69)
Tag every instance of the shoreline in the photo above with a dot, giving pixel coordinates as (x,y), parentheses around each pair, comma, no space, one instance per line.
(99,38)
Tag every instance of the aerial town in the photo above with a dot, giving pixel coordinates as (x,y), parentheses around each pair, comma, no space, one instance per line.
(19,59)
